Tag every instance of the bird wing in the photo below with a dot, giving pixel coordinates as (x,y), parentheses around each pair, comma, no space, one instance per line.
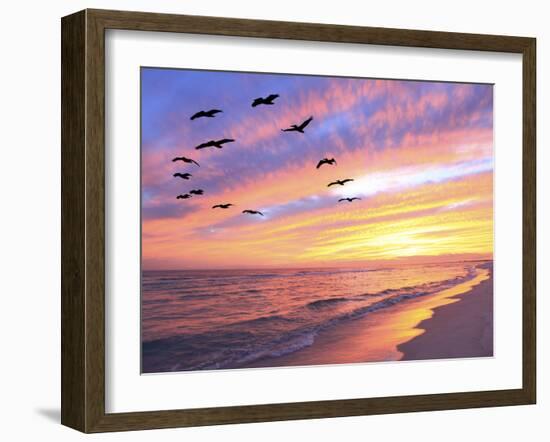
(215,111)
(305,123)
(257,101)
(197,115)
(333,183)
(207,144)
(176,159)
(271,97)
(193,161)
(342,199)
(320,163)
(225,140)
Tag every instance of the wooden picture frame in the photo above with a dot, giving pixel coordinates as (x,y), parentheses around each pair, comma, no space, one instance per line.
(83,220)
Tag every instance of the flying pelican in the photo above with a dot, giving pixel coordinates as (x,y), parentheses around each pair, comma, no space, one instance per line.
(210,114)
(349,199)
(267,100)
(332,161)
(340,182)
(222,206)
(196,192)
(183,197)
(298,128)
(185,160)
(215,143)
(185,176)
(253,212)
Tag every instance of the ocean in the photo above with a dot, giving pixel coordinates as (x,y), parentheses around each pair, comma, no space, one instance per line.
(221,319)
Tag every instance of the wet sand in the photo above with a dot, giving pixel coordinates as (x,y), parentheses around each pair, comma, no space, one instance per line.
(458,330)
(457,322)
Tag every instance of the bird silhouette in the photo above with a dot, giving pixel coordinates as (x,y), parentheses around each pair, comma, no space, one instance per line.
(223,206)
(349,199)
(267,100)
(210,114)
(185,176)
(332,161)
(183,197)
(185,160)
(253,212)
(340,182)
(196,192)
(298,128)
(215,143)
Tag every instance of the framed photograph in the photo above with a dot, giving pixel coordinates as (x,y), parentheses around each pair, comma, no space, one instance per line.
(268,220)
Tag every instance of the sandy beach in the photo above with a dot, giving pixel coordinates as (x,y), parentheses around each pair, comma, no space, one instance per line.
(457,330)
(453,323)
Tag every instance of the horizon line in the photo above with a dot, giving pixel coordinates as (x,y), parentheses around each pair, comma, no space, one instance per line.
(382,265)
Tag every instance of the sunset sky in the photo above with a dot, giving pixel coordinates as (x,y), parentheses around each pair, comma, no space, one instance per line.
(421,155)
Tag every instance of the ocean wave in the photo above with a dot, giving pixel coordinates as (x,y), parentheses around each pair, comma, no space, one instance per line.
(199,296)
(275,334)
(320,303)
(224,349)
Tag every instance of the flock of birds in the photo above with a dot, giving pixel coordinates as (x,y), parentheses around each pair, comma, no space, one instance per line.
(269,100)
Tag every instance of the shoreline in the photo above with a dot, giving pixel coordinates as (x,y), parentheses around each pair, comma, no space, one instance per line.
(469,321)
(455,322)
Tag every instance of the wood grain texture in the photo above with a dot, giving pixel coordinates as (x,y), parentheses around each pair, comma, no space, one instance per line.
(73,128)
(145,21)
(529,220)
(83,220)
(95,221)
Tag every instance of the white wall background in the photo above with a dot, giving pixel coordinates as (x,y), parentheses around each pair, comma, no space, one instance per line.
(30,217)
